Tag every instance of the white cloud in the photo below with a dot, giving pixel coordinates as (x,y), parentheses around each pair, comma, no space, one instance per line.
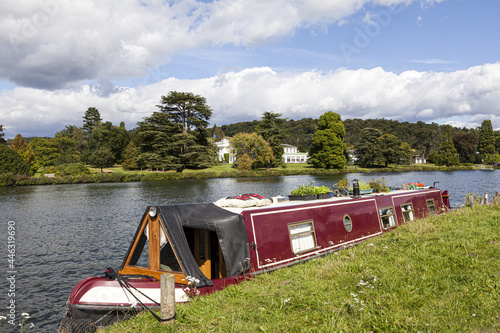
(470,95)
(419,21)
(51,44)
(432,61)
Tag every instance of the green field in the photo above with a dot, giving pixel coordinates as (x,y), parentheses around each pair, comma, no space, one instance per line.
(438,274)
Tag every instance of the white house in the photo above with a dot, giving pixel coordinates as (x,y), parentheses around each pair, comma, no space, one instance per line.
(415,159)
(224,148)
(291,154)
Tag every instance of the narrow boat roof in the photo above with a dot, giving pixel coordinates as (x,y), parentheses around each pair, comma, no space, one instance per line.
(229,227)
(285,203)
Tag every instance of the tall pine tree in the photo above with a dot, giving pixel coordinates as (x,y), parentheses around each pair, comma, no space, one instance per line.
(366,151)
(191,113)
(2,140)
(486,138)
(91,118)
(271,129)
(328,149)
(447,153)
(155,137)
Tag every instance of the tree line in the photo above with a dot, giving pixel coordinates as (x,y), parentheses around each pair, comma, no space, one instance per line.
(475,145)
(177,136)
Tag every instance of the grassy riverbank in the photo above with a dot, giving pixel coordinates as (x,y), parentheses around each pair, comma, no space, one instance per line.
(438,274)
(117,174)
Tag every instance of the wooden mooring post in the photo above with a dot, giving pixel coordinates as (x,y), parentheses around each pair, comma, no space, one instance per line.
(495,200)
(471,200)
(167,285)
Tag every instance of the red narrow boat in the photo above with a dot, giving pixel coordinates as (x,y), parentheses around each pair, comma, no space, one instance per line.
(212,247)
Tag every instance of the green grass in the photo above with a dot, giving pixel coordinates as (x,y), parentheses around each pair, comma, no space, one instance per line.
(438,274)
(307,168)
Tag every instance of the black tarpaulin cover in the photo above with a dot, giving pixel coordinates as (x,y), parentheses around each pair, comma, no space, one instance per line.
(229,227)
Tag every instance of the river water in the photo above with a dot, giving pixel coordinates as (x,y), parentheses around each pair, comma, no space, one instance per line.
(64,233)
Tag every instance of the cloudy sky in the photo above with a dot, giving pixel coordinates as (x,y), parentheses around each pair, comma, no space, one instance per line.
(408,60)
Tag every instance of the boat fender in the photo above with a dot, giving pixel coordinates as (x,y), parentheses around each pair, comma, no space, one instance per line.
(70,325)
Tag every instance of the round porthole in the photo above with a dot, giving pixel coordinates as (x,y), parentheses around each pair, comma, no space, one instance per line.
(347,223)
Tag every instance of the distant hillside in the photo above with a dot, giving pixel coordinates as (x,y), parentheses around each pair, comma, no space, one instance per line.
(420,135)
(298,132)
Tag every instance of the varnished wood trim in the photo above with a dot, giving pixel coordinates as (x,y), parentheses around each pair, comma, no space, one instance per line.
(131,270)
(154,243)
(132,250)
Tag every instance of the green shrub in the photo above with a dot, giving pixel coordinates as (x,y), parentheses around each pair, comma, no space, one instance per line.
(12,162)
(85,178)
(133,177)
(7,179)
(72,169)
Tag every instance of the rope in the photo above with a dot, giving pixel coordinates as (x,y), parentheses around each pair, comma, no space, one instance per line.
(98,320)
(112,275)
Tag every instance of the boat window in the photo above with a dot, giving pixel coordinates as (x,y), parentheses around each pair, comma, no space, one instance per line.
(168,260)
(408,214)
(347,223)
(431,206)
(302,236)
(141,253)
(387,217)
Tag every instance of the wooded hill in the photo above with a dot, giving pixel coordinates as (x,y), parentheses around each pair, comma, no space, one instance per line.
(421,136)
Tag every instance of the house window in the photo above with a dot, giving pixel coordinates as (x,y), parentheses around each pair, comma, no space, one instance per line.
(431,207)
(387,217)
(302,236)
(408,214)
(347,223)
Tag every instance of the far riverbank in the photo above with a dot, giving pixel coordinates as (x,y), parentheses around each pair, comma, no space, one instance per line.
(118,175)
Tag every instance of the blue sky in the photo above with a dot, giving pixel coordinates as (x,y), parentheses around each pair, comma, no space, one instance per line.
(408,60)
(449,36)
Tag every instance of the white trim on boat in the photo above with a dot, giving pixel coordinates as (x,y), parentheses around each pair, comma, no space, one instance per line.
(117,295)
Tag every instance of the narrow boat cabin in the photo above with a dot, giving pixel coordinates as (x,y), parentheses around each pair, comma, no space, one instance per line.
(200,240)
(208,242)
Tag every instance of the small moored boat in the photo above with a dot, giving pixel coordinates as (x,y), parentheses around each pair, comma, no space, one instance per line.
(208,247)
